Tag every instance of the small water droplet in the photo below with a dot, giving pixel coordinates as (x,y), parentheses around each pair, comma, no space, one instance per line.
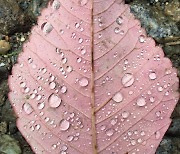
(141,38)
(157,135)
(83,2)
(22,84)
(52,85)
(158,113)
(128,80)
(79,60)
(119,20)
(56,4)
(54,101)
(83,51)
(152,99)
(152,75)
(70,138)
(141,102)
(80,40)
(133,142)
(103,127)
(113,121)
(125,114)
(64,60)
(27,108)
(41,105)
(117,30)
(83,82)
(118,97)
(47,27)
(63,89)
(64,125)
(109,132)
(69,69)
(160,89)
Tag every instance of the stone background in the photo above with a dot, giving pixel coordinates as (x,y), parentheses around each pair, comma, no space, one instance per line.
(160,18)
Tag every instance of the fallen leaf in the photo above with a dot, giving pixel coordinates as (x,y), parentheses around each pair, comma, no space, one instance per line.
(91,81)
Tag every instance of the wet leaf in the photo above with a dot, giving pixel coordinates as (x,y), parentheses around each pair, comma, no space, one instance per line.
(92,83)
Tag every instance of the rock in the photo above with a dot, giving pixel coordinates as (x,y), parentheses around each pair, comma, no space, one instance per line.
(3,92)
(3,127)
(4,46)
(11,17)
(169,146)
(8,145)
(174,129)
(153,18)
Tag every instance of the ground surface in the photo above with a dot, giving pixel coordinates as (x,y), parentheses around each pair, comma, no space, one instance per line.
(161,19)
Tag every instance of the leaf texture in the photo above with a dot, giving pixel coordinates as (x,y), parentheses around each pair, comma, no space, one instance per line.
(90,81)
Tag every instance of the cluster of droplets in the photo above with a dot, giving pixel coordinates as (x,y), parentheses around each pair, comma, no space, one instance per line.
(119,22)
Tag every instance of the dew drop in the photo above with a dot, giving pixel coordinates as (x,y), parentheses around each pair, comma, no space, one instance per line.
(83,82)
(125,114)
(109,132)
(141,38)
(40,105)
(56,4)
(152,99)
(64,125)
(117,30)
(103,127)
(69,69)
(83,51)
(157,135)
(79,60)
(133,142)
(26,90)
(118,97)
(119,20)
(141,102)
(27,108)
(160,89)
(52,85)
(63,89)
(83,2)
(54,101)
(152,75)
(113,121)
(47,28)
(128,80)
(70,138)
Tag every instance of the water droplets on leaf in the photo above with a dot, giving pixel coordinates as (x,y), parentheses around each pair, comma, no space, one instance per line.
(141,102)
(109,132)
(64,125)
(55,4)
(152,75)
(83,82)
(54,101)
(127,80)
(125,114)
(119,20)
(27,108)
(46,27)
(118,97)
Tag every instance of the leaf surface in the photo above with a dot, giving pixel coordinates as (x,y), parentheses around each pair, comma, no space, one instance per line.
(90,81)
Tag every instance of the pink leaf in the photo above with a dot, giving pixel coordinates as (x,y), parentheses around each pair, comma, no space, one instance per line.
(92,83)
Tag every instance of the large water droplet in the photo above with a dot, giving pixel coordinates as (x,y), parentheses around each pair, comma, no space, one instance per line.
(64,125)
(63,89)
(133,142)
(83,82)
(128,80)
(118,97)
(109,132)
(47,28)
(52,85)
(117,30)
(54,101)
(152,75)
(141,102)
(27,108)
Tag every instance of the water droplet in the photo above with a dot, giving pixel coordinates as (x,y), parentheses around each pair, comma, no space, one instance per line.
(142,133)
(118,97)
(103,127)
(37,127)
(113,121)
(30,60)
(64,125)
(54,101)
(69,69)
(141,102)
(152,99)
(22,84)
(141,38)
(70,138)
(64,60)
(125,114)
(152,75)
(64,148)
(83,51)
(119,20)
(63,89)
(56,4)
(27,108)
(80,40)
(79,60)
(26,90)
(160,89)
(52,85)
(40,105)
(158,113)
(117,30)
(47,27)
(157,135)
(83,2)
(133,142)
(128,80)
(109,132)
(83,82)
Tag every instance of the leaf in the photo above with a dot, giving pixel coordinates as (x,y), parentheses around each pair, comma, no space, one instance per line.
(92,83)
